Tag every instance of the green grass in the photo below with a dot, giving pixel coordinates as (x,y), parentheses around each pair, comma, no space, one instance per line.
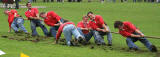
(144,15)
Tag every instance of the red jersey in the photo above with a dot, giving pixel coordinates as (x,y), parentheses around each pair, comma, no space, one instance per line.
(11,16)
(97,22)
(61,28)
(31,13)
(128,29)
(52,18)
(83,25)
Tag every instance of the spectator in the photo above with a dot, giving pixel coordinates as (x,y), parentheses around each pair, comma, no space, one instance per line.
(123,0)
(17,4)
(102,1)
(29,0)
(34,0)
(89,0)
(45,0)
(59,0)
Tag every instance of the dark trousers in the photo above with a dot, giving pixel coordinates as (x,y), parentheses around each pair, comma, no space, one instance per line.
(38,23)
(17,4)
(53,30)
(130,42)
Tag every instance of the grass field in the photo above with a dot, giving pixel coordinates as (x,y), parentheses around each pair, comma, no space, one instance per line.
(144,15)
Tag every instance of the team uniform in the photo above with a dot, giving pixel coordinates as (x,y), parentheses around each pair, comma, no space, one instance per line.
(86,33)
(98,23)
(128,29)
(17,22)
(34,22)
(68,29)
(52,19)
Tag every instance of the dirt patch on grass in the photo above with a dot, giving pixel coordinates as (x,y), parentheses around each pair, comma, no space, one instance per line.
(157,54)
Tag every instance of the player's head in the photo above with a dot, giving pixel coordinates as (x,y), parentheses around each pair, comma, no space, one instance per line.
(90,15)
(85,18)
(28,4)
(118,24)
(6,11)
(65,20)
(43,15)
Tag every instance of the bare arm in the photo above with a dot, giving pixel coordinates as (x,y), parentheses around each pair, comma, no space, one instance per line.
(138,31)
(15,15)
(35,17)
(133,35)
(60,21)
(105,28)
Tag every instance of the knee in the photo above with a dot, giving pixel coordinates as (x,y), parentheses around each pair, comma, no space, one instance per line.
(128,40)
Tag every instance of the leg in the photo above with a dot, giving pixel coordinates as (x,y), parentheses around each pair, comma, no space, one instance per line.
(33,28)
(89,35)
(130,43)
(53,31)
(98,37)
(75,32)
(146,43)
(109,37)
(78,36)
(80,31)
(13,25)
(20,23)
(17,4)
(67,34)
(45,31)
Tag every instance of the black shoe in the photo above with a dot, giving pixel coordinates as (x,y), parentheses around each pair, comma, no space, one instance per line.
(103,43)
(154,48)
(98,44)
(135,49)
(81,39)
(109,44)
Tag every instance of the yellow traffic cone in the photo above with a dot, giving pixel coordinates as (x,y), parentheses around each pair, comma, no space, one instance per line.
(24,55)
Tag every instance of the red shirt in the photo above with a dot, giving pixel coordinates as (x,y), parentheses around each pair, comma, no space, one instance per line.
(83,25)
(31,13)
(128,29)
(11,16)
(61,28)
(52,18)
(97,22)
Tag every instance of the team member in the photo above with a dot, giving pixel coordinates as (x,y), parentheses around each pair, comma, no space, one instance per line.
(10,18)
(127,29)
(33,16)
(52,20)
(96,22)
(84,28)
(68,28)
(15,21)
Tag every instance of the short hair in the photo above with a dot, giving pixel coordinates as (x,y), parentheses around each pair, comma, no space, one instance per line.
(42,13)
(27,3)
(85,17)
(65,20)
(117,24)
(90,12)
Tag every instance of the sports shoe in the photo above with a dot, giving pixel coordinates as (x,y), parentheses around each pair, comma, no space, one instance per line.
(109,44)
(81,39)
(154,48)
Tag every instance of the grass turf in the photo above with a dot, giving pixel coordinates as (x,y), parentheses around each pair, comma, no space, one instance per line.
(144,15)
